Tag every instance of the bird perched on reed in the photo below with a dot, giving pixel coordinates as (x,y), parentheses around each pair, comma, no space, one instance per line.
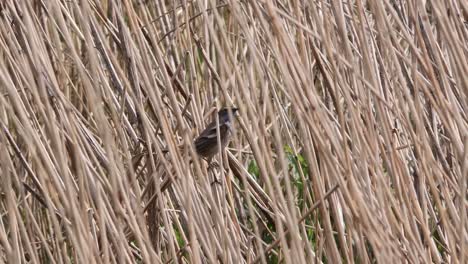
(206,144)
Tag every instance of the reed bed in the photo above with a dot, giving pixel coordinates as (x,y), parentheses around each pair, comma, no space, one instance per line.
(350,144)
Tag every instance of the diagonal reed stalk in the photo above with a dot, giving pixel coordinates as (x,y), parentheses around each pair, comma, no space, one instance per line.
(350,146)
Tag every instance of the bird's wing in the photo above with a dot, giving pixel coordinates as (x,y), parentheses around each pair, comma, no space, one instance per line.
(210,131)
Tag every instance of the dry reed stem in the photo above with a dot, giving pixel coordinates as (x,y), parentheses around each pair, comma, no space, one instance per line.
(100,102)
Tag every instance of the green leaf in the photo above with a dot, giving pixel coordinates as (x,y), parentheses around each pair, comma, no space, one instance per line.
(253,169)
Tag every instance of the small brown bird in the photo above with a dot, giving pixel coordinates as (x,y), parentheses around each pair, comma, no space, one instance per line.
(206,144)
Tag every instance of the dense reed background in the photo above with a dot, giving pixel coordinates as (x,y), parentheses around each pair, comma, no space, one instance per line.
(350,146)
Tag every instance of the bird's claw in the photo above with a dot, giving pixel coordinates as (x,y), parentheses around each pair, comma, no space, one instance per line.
(212,165)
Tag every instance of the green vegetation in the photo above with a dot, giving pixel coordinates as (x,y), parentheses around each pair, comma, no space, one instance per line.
(350,144)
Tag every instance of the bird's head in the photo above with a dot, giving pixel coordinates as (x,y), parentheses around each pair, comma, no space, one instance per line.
(224,115)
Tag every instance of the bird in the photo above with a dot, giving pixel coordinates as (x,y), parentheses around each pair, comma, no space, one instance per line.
(206,144)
